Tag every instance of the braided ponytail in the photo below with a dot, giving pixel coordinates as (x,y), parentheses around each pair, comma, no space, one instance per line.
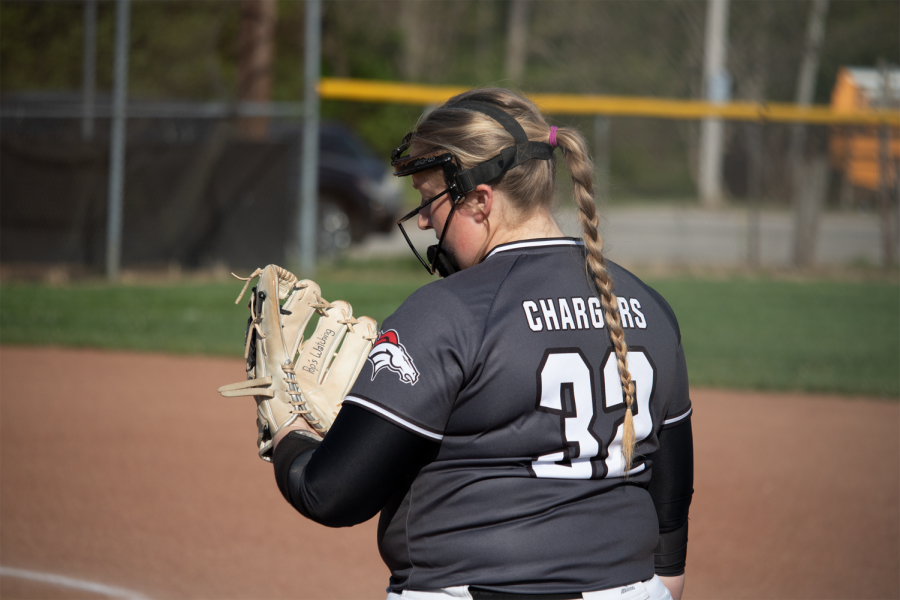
(473,137)
(574,151)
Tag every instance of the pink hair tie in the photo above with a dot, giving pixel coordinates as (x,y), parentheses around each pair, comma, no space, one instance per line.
(553,136)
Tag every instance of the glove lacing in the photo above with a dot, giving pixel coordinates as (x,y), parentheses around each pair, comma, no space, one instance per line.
(299,405)
(255,318)
(322,306)
(246,281)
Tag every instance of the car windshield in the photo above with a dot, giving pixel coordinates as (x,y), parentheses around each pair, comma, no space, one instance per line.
(343,144)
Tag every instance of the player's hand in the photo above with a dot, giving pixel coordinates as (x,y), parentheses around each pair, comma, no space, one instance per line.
(675,585)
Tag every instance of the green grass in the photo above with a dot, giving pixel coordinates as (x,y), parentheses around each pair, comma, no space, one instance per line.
(812,336)
(184,318)
(740,333)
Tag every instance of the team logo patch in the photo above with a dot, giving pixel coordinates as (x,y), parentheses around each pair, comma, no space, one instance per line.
(389,353)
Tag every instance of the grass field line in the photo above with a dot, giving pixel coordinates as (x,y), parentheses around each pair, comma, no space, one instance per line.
(70,582)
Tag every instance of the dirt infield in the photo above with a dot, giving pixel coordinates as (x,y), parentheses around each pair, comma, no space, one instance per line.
(128,470)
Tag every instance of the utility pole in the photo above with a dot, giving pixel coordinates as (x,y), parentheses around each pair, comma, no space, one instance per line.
(717,84)
(309,169)
(117,143)
(89,70)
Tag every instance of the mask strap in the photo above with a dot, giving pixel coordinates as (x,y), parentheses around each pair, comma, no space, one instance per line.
(512,156)
(440,244)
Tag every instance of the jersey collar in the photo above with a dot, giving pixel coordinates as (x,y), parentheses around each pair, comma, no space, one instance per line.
(537,243)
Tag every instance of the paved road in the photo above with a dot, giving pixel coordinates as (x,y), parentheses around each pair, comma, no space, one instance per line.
(673,235)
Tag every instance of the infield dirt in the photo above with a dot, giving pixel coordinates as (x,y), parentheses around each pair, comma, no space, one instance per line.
(129,470)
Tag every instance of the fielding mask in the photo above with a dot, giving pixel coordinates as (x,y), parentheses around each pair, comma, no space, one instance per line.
(461,182)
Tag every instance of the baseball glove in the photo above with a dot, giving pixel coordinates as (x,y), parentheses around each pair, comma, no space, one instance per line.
(290,377)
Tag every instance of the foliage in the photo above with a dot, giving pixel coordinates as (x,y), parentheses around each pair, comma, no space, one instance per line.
(175,47)
(188,50)
(741,333)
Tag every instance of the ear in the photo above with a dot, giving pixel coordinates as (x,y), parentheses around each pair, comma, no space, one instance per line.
(482,202)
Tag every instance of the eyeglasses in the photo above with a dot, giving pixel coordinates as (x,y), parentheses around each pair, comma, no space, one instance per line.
(407,166)
(429,266)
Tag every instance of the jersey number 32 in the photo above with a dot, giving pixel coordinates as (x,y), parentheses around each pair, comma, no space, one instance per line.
(566,388)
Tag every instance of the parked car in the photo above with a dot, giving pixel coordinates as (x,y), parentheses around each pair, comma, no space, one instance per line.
(357,193)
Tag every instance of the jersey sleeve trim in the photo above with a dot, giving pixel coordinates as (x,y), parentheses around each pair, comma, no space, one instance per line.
(677,418)
(406,424)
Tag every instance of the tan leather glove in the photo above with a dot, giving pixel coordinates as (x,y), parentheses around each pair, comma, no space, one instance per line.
(291,377)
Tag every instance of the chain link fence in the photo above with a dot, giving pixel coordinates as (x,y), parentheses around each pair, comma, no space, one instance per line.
(201,192)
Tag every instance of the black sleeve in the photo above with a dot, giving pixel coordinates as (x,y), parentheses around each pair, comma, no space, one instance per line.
(349,476)
(671,488)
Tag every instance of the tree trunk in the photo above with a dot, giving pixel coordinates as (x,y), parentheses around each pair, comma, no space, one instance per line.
(805,178)
(806,79)
(810,181)
(516,40)
(414,20)
(256,50)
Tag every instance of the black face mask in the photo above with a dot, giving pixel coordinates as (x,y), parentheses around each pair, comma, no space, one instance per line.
(437,253)
(443,262)
(461,182)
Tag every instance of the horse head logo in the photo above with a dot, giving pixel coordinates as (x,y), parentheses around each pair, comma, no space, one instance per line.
(389,353)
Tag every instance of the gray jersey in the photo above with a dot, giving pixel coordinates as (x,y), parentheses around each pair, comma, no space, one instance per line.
(509,365)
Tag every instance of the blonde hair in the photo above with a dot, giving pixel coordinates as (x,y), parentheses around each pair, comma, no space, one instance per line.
(473,137)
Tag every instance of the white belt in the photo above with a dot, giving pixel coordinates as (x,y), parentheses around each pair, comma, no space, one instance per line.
(652,589)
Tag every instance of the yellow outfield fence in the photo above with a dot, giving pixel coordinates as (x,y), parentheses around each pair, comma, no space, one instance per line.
(361,90)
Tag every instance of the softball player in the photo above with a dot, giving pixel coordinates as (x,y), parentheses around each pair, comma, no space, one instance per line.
(515,446)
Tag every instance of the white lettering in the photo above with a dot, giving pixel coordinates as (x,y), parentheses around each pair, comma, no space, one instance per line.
(531,308)
(596,313)
(563,370)
(549,314)
(627,321)
(580,313)
(639,319)
(565,315)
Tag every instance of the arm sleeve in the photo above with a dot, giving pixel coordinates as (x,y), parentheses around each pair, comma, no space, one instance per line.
(349,476)
(671,488)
